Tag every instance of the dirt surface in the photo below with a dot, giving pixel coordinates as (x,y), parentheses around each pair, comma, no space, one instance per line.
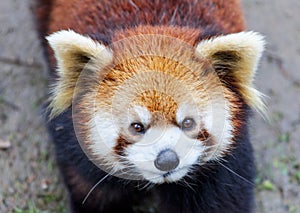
(276,141)
(29,180)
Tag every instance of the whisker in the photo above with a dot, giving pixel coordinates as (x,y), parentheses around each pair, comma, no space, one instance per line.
(92,189)
(147,185)
(188,185)
(236,174)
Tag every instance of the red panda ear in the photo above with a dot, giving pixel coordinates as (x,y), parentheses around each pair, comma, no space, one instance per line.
(236,56)
(73,53)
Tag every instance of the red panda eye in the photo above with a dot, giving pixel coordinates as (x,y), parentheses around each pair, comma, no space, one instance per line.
(137,128)
(188,124)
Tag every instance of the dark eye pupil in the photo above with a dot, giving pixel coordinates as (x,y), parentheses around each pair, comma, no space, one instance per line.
(137,127)
(188,123)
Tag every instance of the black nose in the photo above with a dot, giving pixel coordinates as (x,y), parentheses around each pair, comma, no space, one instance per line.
(166,160)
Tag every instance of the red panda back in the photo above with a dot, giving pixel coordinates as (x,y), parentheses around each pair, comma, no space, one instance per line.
(105,17)
(101,19)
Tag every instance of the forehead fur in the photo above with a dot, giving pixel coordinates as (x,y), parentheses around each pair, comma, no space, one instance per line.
(161,105)
(157,83)
(158,72)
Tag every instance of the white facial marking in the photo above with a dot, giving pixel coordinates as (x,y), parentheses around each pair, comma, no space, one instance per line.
(143,153)
(217,121)
(187,111)
(103,134)
(143,113)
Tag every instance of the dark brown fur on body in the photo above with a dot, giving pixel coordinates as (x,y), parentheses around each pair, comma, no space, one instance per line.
(212,187)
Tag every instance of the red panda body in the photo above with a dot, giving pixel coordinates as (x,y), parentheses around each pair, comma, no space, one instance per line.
(104,18)
(150,104)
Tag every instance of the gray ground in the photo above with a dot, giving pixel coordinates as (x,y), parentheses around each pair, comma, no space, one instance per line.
(29,178)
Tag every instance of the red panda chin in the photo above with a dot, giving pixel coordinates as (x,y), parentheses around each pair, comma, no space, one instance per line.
(168,177)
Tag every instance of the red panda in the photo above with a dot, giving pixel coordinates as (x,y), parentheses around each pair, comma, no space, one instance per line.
(150,103)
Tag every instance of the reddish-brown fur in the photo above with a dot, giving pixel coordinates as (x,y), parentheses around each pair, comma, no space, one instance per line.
(101,19)
(105,16)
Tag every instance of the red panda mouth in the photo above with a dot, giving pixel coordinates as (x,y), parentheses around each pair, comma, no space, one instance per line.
(167,177)
(167,174)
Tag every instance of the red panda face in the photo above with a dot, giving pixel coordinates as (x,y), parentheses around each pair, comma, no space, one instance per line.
(158,106)
(160,116)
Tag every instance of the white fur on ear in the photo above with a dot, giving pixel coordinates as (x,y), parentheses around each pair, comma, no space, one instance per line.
(69,42)
(73,53)
(246,49)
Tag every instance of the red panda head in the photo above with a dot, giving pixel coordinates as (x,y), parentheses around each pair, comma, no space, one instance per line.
(153,106)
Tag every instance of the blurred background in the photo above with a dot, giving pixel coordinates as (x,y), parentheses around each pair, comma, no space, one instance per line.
(29,180)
